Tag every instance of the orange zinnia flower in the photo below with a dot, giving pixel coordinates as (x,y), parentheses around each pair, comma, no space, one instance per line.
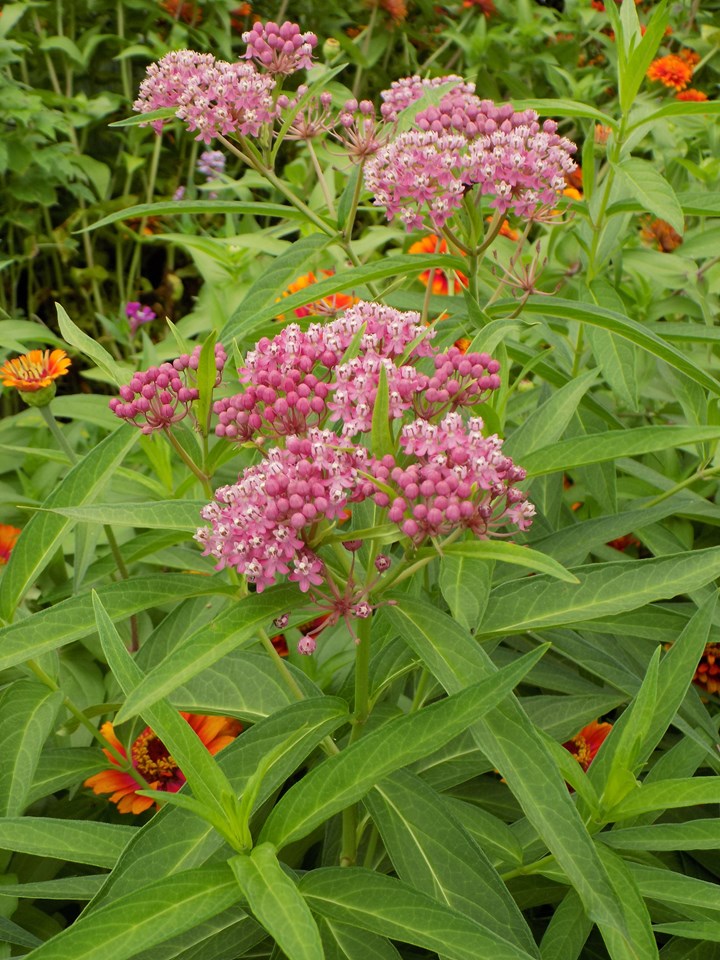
(153,762)
(691,95)
(660,232)
(585,744)
(34,370)
(8,538)
(622,543)
(707,674)
(463,344)
(328,306)
(672,71)
(440,283)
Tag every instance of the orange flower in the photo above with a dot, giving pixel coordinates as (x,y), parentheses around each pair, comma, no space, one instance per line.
(660,232)
(34,370)
(672,71)
(622,543)
(463,344)
(397,9)
(585,744)
(707,674)
(189,12)
(328,306)
(506,230)
(8,538)
(572,193)
(440,283)
(691,95)
(487,6)
(280,644)
(153,762)
(690,56)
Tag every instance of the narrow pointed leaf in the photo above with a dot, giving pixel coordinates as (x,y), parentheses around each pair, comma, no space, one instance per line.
(99,844)
(28,710)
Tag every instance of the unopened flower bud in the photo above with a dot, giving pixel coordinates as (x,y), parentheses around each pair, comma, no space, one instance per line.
(382,562)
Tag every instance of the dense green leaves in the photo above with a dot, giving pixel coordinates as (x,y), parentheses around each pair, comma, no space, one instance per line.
(99,844)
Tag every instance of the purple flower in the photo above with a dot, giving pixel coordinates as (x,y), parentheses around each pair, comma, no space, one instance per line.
(280,49)
(156,398)
(418,174)
(138,314)
(211,163)
(212,96)
(261,525)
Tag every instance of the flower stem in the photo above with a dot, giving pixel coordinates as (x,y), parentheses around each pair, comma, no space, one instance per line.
(189,462)
(281,666)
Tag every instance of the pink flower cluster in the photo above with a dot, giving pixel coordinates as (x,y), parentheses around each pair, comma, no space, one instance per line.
(312,120)
(156,398)
(358,129)
(425,174)
(463,112)
(458,478)
(212,96)
(404,92)
(261,525)
(280,49)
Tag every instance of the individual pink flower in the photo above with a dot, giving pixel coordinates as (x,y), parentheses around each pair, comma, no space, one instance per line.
(280,49)
(161,396)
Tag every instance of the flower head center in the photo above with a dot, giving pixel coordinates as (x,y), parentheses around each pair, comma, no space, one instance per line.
(151,757)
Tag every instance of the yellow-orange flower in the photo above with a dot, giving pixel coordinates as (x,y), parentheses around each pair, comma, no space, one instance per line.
(691,95)
(662,234)
(328,306)
(672,71)
(153,762)
(707,674)
(440,283)
(506,230)
(8,538)
(585,744)
(34,370)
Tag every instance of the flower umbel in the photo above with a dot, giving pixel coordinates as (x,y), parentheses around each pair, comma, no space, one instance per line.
(34,370)
(151,759)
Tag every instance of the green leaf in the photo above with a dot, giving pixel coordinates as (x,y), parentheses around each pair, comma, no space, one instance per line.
(229,630)
(641,942)
(99,844)
(148,916)
(513,747)
(506,552)
(381,439)
(394,909)
(633,74)
(64,767)
(343,280)
(612,444)
(693,930)
(465,585)
(619,360)
(28,711)
(547,424)
(45,531)
(67,888)
(154,515)
(90,348)
(615,323)
(343,942)
(74,619)
(652,190)
(276,903)
(164,113)
(668,886)
(567,931)
(565,108)
(604,589)
(13,933)
(175,840)
(677,109)
(432,852)
(693,835)
(667,795)
(170,208)
(206,377)
(209,784)
(341,780)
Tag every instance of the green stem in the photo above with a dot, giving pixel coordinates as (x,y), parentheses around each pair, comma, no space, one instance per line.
(189,462)
(698,475)
(354,203)
(321,178)
(281,666)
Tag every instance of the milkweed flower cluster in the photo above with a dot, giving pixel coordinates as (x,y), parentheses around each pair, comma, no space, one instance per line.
(161,396)
(212,96)
(211,163)
(258,523)
(404,92)
(280,49)
(456,477)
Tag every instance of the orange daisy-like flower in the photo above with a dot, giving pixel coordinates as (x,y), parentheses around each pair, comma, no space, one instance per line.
(707,674)
(691,95)
(672,71)
(487,6)
(34,370)
(328,306)
(660,232)
(8,539)
(189,12)
(440,283)
(153,762)
(585,744)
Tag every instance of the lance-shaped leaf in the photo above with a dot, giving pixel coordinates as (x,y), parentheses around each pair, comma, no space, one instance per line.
(156,514)
(391,908)
(277,904)
(91,348)
(667,795)
(343,779)
(148,916)
(99,844)
(342,942)
(28,711)
(44,532)
(67,888)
